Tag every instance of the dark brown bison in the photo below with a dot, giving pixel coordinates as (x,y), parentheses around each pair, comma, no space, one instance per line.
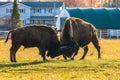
(42,37)
(78,33)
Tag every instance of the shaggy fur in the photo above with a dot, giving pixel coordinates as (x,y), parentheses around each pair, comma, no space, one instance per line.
(42,37)
(78,33)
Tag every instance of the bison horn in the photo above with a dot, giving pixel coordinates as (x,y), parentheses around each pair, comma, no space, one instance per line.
(63,47)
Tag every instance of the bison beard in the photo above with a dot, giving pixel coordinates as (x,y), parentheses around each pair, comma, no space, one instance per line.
(42,37)
(78,33)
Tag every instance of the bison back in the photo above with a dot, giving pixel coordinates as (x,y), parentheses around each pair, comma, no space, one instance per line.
(33,36)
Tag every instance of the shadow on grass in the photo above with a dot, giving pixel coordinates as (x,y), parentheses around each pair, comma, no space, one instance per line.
(3,65)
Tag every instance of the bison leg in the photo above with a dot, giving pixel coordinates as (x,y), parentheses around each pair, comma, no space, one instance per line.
(42,53)
(13,51)
(64,57)
(74,54)
(76,48)
(98,49)
(85,52)
(96,44)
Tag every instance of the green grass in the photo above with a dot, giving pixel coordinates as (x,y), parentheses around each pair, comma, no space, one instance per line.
(31,67)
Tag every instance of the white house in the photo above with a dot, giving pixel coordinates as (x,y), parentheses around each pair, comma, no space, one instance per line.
(32,12)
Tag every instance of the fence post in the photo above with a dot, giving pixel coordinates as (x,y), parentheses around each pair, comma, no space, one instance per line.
(100,33)
(117,34)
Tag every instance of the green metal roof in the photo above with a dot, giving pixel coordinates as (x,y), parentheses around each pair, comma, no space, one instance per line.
(101,18)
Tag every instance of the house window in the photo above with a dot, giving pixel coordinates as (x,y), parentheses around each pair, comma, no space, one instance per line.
(37,11)
(32,21)
(35,21)
(7,10)
(45,10)
(21,10)
(24,22)
(42,22)
(10,10)
(50,21)
(49,10)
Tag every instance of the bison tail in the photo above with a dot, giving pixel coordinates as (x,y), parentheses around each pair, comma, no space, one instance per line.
(7,37)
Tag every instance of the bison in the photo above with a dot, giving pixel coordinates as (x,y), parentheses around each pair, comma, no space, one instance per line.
(42,37)
(78,33)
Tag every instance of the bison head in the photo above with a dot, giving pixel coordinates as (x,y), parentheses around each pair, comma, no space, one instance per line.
(63,50)
(67,51)
(54,53)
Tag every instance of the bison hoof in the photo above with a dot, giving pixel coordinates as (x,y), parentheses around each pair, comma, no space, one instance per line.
(13,61)
(81,58)
(65,58)
(45,60)
(72,58)
(99,57)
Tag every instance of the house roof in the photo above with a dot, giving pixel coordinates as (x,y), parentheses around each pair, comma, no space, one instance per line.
(101,18)
(2,3)
(38,4)
(43,4)
(42,17)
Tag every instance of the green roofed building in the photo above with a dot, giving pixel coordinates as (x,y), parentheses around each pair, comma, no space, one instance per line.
(102,18)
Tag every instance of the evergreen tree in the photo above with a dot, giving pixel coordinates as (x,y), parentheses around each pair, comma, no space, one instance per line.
(15,17)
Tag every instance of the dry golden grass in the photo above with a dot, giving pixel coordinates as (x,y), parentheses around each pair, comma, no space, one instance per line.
(31,67)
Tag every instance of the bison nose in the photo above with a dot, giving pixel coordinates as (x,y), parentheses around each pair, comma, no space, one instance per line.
(62,48)
(50,56)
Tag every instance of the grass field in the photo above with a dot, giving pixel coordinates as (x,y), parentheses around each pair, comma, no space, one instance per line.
(31,67)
